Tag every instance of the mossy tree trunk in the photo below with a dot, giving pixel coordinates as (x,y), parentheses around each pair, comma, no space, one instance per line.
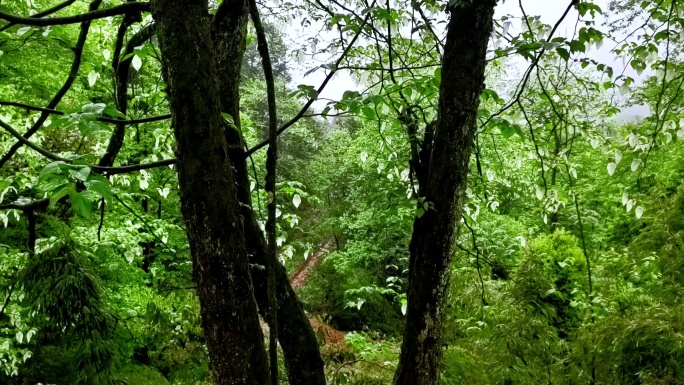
(462,81)
(208,193)
(295,334)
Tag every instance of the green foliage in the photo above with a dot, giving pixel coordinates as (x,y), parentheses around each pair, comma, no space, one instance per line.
(63,301)
(373,362)
(348,288)
(551,279)
(108,295)
(61,285)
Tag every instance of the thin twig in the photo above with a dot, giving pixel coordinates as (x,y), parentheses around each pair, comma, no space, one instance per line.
(71,77)
(320,89)
(271,163)
(122,9)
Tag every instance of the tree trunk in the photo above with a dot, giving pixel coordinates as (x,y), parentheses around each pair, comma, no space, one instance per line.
(433,234)
(295,334)
(209,200)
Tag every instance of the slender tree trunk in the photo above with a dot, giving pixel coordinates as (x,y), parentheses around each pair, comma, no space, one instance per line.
(295,334)
(433,234)
(209,200)
(554,217)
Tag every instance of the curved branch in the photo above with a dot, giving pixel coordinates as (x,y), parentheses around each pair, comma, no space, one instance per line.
(46,12)
(117,10)
(132,168)
(73,72)
(320,89)
(32,145)
(100,169)
(99,119)
(271,162)
(30,107)
(135,121)
(30,206)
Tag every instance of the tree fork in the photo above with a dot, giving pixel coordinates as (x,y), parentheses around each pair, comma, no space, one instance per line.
(295,334)
(209,200)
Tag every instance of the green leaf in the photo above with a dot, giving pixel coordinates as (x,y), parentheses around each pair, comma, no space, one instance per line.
(94,108)
(662,35)
(50,169)
(80,174)
(103,189)
(326,110)
(60,192)
(506,129)
(113,112)
(563,53)
(80,203)
(588,6)
(309,91)
(90,128)
(576,46)
(368,112)
(228,117)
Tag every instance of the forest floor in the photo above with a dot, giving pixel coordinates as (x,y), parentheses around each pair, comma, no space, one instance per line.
(301,275)
(332,338)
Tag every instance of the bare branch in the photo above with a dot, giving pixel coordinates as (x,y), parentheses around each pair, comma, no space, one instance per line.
(132,168)
(100,119)
(99,169)
(46,12)
(30,206)
(73,72)
(32,145)
(117,10)
(271,162)
(320,89)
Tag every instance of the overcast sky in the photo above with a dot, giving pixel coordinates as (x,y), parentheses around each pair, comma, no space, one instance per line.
(549,12)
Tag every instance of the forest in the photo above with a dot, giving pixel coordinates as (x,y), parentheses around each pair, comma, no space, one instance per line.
(313,192)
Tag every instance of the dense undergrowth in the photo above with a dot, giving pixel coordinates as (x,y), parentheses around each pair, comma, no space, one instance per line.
(570,260)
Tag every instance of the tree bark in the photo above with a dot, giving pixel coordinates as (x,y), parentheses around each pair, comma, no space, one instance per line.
(209,199)
(295,334)
(433,235)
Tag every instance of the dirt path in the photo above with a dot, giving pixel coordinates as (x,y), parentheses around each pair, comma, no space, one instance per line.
(332,338)
(300,276)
